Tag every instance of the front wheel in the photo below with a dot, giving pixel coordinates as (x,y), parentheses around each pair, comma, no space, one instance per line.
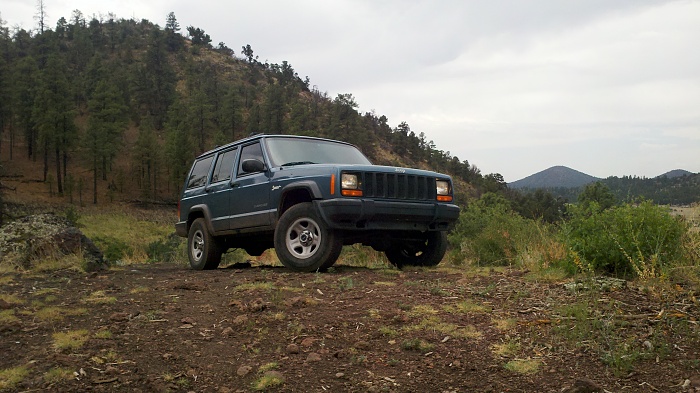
(303,242)
(425,252)
(203,250)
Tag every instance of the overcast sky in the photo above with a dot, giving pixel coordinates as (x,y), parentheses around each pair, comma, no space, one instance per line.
(609,88)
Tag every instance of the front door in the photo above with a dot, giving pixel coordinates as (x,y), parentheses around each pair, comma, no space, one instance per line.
(251,197)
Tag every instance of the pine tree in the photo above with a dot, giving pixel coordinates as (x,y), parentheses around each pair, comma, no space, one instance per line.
(24,76)
(108,119)
(53,114)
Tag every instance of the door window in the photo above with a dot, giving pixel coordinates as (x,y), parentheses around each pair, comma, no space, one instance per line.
(253,151)
(223,166)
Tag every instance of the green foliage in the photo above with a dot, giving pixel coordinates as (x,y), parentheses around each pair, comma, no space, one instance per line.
(72,215)
(539,204)
(113,249)
(489,232)
(628,240)
(164,250)
(597,193)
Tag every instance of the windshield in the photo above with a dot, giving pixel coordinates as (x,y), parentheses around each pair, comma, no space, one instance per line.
(294,151)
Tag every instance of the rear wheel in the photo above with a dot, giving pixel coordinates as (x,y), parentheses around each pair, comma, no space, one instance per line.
(303,242)
(203,249)
(428,251)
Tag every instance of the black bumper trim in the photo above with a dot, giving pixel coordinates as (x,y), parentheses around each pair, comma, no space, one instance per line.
(373,214)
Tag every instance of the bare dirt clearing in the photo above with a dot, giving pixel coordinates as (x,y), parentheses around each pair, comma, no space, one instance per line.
(165,328)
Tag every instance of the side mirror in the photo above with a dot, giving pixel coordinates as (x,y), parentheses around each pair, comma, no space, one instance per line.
(252,165)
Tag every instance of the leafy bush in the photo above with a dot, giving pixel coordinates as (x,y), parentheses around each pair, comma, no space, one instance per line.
(628,240)
(113,249)
(489,232)
(163,250)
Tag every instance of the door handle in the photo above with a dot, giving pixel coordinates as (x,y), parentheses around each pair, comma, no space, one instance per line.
(235,185)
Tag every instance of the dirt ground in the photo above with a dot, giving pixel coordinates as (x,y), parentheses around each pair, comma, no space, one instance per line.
(165,328)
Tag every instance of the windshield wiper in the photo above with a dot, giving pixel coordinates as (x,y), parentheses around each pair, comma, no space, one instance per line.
(298,163)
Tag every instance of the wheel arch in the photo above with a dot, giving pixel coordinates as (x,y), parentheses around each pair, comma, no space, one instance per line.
(298,192)
(199,211)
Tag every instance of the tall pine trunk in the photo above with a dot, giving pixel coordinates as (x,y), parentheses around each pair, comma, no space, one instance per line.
(59,180)
(94,180)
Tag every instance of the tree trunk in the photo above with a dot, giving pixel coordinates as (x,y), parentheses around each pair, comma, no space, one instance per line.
(46,159)
(94,180)
(59,181)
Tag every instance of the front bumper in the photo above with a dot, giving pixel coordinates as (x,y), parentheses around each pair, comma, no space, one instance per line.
(389,215)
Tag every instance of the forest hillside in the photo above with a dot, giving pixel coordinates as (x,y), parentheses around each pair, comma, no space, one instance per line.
(116,109)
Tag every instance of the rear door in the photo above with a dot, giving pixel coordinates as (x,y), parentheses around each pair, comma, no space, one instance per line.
(251,192)
(219,190)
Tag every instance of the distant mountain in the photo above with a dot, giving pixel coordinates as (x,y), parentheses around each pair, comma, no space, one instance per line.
(555,177)
(676,173)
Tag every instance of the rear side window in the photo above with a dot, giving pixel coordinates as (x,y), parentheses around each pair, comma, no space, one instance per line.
(200,171)
(223,166)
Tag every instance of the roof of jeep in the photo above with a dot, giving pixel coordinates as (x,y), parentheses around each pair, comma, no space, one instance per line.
(266,136)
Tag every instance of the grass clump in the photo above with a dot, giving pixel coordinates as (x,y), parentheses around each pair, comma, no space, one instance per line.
(506,349)
(7,317)
(434,324)
(58,374)
(417,345)
(100,297)
(11,377)
(70,340)
(267,381)
(523,366)
(268,367)
(12,300)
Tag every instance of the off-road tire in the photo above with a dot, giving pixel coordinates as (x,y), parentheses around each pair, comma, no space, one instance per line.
(303,242)
(427,252)
(203,249)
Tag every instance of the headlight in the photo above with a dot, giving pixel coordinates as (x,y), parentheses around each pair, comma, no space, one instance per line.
(348,181)
(444,191)
(350,185)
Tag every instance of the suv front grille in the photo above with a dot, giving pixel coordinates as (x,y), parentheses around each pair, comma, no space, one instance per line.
(398,186)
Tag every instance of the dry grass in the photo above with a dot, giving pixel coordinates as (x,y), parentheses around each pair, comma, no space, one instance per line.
(58,374)
(10,377)
(10,299)
(100,297)
(73,339)
(524,366)
(7,317)
(434,324)
(506,349)
(505,324)
(465,307)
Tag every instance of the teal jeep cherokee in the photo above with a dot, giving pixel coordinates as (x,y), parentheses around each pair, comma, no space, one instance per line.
(307,197)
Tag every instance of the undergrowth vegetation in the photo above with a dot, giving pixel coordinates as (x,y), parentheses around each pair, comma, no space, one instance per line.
(629,240)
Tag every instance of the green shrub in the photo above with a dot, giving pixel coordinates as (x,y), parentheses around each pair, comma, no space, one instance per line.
(628,240)
(490,233)
(163,250)
(113,249)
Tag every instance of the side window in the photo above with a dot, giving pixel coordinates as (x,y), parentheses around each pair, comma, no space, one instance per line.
(223,166)
(253,151)
(200,171)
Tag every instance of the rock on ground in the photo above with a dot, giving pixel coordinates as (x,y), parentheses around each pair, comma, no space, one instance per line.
(46,235)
